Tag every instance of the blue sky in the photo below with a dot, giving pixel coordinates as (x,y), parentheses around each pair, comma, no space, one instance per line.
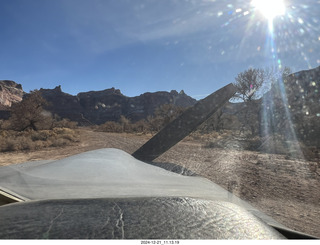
(142,46)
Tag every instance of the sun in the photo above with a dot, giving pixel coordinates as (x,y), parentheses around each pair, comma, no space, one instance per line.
(270,8)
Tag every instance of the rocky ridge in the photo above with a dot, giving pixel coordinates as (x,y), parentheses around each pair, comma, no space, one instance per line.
(94,107)
(10,92)
(97,107)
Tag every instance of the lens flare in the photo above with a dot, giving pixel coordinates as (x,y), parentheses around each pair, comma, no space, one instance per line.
(270,9)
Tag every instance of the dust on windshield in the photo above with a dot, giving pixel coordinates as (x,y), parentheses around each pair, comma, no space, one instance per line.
(85,75)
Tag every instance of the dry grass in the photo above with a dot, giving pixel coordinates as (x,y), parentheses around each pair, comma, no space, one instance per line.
(35,140)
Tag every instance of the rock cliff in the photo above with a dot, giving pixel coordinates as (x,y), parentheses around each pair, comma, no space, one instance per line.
(10,92)
(94,107)
(97,107)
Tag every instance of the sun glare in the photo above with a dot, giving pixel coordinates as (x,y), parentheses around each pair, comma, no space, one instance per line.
(269,8)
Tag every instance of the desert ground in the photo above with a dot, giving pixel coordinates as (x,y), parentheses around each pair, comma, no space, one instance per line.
(286,189)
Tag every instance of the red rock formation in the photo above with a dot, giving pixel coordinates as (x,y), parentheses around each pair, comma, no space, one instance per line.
(10,92)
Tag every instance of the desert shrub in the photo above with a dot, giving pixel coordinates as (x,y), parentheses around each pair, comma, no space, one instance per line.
(63,131)
(111,126)
(125,124)
(4,125)
(162,116)
(248,157)
(212,144)
(252,144)
(42,135)
(64,123)
(17,143)
(32,140)
(224,139)
(25,143)
(7,144)
(193,136)
(29,113)
(66,134)
(59,142)
(140,127)
(37,145)
(70,137)
(3,133)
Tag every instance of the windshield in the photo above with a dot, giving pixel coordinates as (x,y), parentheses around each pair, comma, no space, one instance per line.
(82,75)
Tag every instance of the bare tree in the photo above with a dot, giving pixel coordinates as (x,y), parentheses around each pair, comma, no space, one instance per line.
(252,83)
(125,123)
(29,113)
(249,84)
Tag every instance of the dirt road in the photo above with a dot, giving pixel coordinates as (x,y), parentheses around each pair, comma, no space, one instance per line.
(285,189)
(90,140)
